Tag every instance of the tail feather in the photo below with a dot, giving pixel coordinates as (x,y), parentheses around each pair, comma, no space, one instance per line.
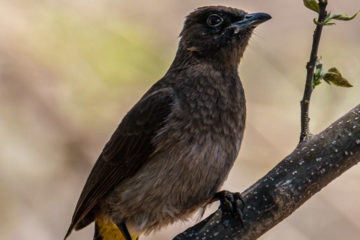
(96,234)
(69,230)
(107,230)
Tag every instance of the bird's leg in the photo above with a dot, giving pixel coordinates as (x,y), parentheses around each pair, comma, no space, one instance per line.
(231,201)
(124,231)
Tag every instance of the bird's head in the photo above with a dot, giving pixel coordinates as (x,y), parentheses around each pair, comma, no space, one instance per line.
(219,32)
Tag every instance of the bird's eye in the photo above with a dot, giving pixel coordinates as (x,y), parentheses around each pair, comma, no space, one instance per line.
(214,20)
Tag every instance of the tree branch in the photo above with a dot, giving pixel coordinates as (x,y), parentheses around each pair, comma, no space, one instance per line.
(310,66)
(310,167)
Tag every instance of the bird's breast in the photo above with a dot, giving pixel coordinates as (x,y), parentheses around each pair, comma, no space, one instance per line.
(212,105)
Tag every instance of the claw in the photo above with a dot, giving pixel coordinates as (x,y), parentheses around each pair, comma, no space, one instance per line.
(231,201)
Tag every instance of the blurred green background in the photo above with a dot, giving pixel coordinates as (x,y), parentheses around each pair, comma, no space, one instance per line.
(70,70)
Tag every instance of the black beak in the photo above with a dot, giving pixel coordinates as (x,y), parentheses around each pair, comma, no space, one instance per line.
(250,20)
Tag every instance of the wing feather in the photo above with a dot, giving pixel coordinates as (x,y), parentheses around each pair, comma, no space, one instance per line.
(127,150)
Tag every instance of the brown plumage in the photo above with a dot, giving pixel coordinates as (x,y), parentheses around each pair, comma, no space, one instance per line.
(173,150)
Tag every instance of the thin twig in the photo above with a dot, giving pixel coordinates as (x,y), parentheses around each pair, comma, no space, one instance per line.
(310,72)
(310,167)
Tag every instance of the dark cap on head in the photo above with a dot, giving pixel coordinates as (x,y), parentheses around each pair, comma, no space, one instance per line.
(219,30)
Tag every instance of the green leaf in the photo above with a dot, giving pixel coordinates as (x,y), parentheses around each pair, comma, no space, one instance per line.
(344,17)
(334,70)
(327,21)
(312,5)
(318,74)
(334,76)
(329,24)
(316,81)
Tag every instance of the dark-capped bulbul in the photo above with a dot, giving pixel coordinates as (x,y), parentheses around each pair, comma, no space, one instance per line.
(173,150)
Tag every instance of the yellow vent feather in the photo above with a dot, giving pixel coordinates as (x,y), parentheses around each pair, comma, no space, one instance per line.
(107,230)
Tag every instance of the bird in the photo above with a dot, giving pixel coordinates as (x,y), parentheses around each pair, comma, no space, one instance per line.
(173,150)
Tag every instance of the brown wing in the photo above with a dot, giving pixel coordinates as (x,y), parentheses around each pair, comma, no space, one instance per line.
(127,150)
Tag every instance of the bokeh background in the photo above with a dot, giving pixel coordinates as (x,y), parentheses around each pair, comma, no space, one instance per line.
(70,70)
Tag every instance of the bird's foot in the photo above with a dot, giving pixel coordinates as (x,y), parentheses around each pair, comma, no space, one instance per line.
(232,202)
